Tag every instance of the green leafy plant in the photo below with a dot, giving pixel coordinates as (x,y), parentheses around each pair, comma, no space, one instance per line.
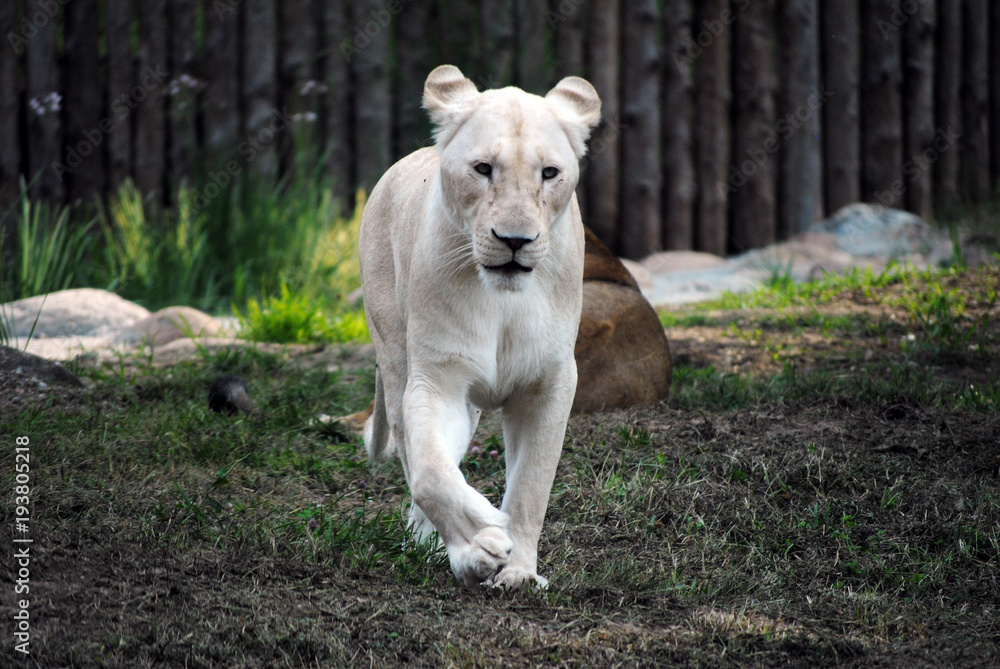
(242,244)
(940,315)
(48,250)
(295,318)
(159,256)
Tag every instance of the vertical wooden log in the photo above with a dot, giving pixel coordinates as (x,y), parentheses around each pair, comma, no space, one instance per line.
(677,229)
(263,121)
(881,115)
(711,39)
(918,103)
(221,97)
(841,115)
(568,20)
(372,97)
(298,146)
(534,64)
(975,142)
(415,63)
(947,99)
(10,114)
(800,127)
(338,48)
(751,181)
(121,77)
(183,92)
(995,92)
(147,95)
(600,167)
(84,133)
(642,176)
(496,31)
(45,103)
(456,37)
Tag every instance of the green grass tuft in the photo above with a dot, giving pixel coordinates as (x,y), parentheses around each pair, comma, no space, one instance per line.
(48,250)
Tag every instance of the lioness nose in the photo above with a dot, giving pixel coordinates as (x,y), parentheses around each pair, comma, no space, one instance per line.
(514,243)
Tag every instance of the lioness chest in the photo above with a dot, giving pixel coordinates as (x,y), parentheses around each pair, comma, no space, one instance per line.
(493,346)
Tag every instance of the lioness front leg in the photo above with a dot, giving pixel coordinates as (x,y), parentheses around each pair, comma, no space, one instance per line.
(533,426)
(474,533)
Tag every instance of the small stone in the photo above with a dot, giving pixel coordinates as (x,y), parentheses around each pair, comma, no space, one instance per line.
(229,394)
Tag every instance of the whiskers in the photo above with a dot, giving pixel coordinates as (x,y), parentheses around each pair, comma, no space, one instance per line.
(458,256)
(554,264)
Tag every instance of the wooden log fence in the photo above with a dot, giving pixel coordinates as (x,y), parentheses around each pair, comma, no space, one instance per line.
(728,124)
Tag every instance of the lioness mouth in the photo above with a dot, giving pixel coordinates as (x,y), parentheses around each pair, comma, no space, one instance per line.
(508,267)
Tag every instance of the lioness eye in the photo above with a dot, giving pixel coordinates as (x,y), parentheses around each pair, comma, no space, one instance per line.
(484,168)
(549,173)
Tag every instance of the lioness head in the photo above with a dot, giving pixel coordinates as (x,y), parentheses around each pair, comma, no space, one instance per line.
(509,165)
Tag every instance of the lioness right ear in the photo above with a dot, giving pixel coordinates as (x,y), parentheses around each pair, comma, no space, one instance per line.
(448,97)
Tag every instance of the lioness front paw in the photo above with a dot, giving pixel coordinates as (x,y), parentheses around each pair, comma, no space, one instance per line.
(515,577)
(483,557)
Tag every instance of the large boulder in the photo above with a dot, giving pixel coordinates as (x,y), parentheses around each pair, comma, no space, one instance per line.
(169,324)
(874,231)
(79,312)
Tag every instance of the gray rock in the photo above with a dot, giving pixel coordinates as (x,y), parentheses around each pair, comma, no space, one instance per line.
(229,394)
(870,230)
(801,260)
(859,235)
(699,285)
(169,324)
(666,262)
(80,312)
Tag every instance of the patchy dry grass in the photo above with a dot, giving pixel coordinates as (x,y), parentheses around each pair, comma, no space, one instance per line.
(823,489)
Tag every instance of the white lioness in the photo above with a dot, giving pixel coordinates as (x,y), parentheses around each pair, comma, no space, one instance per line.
(472,266)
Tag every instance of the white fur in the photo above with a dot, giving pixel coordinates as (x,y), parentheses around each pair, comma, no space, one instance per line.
(453,337)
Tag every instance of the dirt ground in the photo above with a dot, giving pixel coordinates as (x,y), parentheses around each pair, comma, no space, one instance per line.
(806,528)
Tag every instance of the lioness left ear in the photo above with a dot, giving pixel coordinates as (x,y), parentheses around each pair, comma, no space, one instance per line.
(448,97)
(578,108)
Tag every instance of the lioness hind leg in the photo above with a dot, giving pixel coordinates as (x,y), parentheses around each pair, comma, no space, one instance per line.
(420,525)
